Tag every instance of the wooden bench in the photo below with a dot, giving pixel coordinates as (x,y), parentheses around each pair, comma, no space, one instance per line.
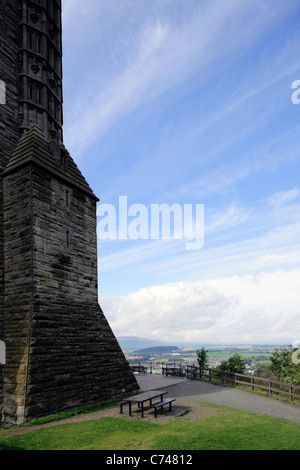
(161,404)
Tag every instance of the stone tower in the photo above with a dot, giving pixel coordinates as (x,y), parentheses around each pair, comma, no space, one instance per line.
(60,350)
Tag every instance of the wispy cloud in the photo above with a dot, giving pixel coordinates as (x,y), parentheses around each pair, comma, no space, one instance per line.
(239,239)
(267,156)
(162,54)
(282,198)
(120,96)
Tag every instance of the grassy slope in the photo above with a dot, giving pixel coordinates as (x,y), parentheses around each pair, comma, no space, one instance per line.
(229,430)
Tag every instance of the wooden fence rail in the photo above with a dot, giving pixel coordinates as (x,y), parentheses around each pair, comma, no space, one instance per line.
(269,385)
(216,376)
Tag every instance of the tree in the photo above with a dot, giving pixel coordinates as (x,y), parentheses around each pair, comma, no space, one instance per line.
(281,361)
(283,365)
(234,364)
(202,358)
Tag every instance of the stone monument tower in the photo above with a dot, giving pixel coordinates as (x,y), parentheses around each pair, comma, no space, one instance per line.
(60,349)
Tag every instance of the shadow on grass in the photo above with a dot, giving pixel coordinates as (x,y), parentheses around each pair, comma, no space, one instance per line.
(6,446)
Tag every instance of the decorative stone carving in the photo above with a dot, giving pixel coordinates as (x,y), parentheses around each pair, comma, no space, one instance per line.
(35,68)
(34,17)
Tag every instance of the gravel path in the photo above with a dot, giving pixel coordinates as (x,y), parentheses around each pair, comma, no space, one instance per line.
(218,395)
(188,394)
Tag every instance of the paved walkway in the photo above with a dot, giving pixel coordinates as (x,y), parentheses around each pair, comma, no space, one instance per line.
(188,394)
(196,391)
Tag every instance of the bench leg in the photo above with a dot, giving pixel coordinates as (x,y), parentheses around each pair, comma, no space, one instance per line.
(156,410)
(162,407)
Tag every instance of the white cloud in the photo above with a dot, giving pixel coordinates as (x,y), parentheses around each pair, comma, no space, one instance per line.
(273,258)
(238,309)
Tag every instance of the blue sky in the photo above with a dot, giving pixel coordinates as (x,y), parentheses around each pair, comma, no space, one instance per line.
(190,102)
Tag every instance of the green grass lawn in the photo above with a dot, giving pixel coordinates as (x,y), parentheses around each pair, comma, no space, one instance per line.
(229,429)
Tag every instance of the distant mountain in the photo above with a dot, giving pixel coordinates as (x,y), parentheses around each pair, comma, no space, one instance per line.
(133,343)
(157,349)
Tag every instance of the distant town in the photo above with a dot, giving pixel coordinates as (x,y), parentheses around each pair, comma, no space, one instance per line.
(252,355)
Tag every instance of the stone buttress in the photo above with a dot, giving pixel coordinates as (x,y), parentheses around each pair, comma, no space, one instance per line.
(60,349)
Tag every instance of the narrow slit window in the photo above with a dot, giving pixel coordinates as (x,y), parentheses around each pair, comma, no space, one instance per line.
(39,96)
(30,91)
(30,41)
(68,238)
(64,160)
(38,44)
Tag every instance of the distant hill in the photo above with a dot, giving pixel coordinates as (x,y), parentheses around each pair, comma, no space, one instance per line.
(157,349)
(133,343)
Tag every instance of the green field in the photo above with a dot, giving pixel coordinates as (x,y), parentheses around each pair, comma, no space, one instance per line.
(227,429)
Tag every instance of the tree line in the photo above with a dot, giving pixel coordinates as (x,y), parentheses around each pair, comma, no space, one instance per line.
(283,365)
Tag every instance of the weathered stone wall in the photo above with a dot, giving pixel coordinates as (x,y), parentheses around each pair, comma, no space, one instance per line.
(9,130)
(76,353)
(18,290)
(61,350)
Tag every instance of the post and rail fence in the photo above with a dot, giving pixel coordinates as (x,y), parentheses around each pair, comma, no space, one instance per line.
(219,377)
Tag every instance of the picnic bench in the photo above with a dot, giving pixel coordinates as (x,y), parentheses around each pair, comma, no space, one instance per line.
(139,368)
(142,398)
(121,403)
(161,404)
